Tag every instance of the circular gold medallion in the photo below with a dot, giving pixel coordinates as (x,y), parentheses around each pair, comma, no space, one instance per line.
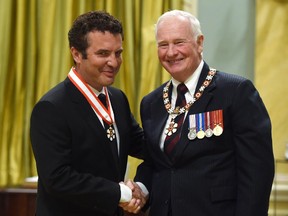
(218,130)
(200,134)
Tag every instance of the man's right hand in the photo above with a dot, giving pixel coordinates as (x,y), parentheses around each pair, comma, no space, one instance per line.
(138,198)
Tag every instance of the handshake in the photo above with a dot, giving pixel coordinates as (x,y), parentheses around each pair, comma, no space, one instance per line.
(138,200)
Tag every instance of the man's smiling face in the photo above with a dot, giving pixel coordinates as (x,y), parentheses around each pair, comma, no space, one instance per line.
(179,52)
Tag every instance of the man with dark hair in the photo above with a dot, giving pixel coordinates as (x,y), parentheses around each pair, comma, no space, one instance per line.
(82,130)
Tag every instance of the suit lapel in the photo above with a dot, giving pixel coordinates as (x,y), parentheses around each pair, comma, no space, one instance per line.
(89,116)
(85,109)
(160,117)
(198,107)
(119,116)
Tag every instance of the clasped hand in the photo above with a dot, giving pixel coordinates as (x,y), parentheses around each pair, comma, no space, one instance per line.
(138,198)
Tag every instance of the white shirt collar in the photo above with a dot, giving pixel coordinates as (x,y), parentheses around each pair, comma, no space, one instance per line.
(96,91)
(191,82)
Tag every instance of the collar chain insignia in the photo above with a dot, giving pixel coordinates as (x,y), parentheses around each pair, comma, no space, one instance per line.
(174,112)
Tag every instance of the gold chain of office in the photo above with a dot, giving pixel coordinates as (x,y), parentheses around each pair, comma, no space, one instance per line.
(179,110)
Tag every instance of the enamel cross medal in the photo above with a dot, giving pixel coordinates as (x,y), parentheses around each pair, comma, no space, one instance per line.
(110,133)
(172,127)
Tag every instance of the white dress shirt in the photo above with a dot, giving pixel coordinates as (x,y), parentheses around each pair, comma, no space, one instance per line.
(191,84)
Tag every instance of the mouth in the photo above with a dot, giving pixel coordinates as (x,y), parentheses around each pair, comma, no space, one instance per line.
(109,73)
(174,61)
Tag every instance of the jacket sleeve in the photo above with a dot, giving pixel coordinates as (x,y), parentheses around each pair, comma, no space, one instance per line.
(253,148)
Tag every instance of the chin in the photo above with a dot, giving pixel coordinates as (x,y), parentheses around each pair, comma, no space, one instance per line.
(110,82)
(175,73)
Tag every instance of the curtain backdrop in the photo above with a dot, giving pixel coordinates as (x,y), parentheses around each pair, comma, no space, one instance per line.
(35,56)
(271,63)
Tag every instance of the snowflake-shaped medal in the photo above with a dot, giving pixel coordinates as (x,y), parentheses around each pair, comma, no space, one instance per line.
(110,133)
(172,128)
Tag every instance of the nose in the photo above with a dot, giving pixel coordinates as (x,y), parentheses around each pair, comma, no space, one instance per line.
(171,51)
(112,61)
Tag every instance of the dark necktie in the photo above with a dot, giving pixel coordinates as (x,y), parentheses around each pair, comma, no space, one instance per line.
(171,141)
(113,143)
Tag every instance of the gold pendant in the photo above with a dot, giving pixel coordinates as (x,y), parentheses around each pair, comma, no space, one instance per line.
(218,130)
(200,134)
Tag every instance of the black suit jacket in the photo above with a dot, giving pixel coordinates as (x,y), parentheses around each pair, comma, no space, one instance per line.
(227,175)
(77,172)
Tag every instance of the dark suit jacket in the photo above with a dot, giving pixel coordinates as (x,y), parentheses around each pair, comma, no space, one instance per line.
(227,175)
(77,172)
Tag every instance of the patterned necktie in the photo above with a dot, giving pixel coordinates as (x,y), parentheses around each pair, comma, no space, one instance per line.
(171,141)
(102,98)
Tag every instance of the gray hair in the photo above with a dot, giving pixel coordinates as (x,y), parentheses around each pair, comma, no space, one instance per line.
(195,24)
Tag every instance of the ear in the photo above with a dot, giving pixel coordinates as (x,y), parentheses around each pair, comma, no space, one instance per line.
(200,42)
(77,56)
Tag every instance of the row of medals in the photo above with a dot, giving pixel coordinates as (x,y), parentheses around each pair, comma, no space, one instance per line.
(207,131)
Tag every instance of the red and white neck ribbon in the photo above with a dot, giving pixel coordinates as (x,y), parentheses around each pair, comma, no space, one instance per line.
(91,97)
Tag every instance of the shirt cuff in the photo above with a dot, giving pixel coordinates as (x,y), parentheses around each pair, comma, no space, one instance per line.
(126,193)
(143,188)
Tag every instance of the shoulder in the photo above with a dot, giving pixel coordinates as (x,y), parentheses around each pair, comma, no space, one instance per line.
(55,93)
(57,98)
(227,81)
(115,91)
(229,77)
(116,94)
